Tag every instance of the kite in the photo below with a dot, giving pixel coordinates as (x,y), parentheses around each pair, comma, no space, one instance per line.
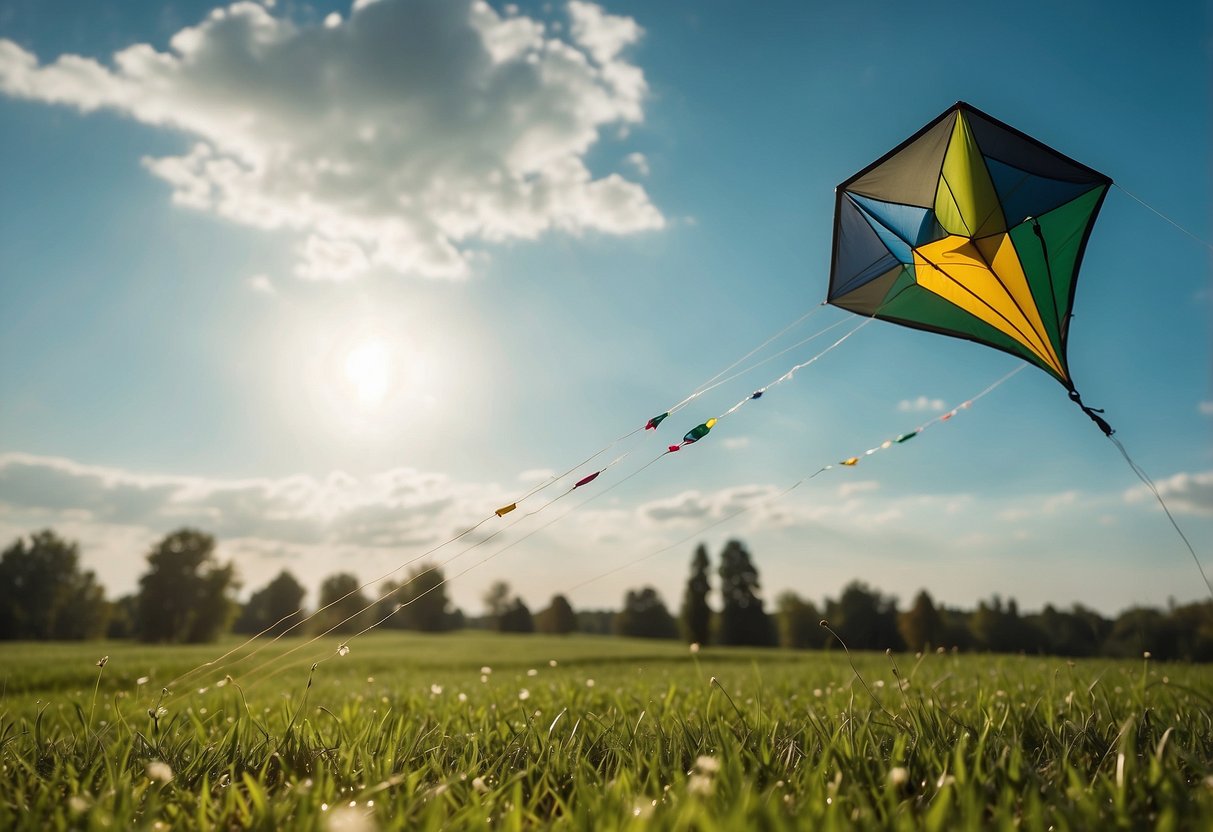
(971,229)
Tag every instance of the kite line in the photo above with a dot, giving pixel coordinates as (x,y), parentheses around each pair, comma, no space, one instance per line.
(901,439)
(713,382)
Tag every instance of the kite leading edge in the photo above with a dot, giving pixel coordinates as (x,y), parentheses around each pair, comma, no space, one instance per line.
(971,229)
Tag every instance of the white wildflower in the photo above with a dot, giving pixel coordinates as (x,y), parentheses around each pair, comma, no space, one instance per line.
(707,765)
(898,776)
(700,784)
(589,683)
(552,663)
(524,695)
(142,680)
(159,771)
(435,690)
(486,670)
(694,647)
(463,697)
(532,672)
(479,785)
(343,650)
(349,819)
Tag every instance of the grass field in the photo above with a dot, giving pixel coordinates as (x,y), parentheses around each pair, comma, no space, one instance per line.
(475,731)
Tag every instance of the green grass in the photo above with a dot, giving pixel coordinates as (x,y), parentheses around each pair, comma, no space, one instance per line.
(405,733)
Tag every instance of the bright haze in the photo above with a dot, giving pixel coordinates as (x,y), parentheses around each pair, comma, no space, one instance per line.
(334,282)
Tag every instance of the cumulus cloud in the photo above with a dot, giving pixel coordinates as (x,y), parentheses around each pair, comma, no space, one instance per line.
(639,163)
(399,507)
(396,137)
(696,505)
(1191,493)
(922,404)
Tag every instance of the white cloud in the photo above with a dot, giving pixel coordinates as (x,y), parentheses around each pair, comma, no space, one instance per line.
(399,507)
(603,35)
(262,285)
(922,404)
(398,137)
(736,443)
(1189,493)
(534,476)
(1206,408)
(696,505)
(639,163)
(848,489)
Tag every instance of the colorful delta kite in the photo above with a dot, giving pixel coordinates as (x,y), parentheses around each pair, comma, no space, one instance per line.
(972,229)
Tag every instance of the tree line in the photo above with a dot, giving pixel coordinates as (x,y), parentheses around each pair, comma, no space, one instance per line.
(186,595)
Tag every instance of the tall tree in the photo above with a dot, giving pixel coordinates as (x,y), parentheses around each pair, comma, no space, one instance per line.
(516,618)
(558,618)
(496,602)
(420,601)
(696,611)
(865,619)
(799,622)
(742,620)
(921,626)
(275,608)
(186,594)
(342,607)
(45,595)
(644,615)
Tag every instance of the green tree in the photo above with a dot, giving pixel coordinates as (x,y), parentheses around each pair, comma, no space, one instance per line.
(696,611)
(921,626)
(742,620)
(496,601)
(275,608)
(342,608)
(516,618)
(45,595)
(420,601)
(644,615)
(1077,632)
(186,594)
(558,618)
(998,627)
(799,623)
(865,619)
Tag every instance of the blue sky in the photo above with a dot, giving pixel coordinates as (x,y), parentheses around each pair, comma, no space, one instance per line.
(335,283)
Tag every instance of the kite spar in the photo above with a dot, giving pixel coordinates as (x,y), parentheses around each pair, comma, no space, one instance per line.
(971,229)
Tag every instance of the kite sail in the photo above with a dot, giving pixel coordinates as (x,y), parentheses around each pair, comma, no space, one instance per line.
(971,229)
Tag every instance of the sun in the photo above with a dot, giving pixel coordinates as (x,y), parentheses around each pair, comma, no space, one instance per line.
(368,369)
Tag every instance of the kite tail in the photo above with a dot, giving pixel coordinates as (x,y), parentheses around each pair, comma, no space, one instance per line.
(1093,412)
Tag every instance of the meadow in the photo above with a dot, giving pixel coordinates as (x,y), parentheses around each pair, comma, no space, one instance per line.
(476,730)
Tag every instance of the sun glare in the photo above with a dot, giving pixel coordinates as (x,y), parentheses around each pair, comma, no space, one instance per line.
(368,368)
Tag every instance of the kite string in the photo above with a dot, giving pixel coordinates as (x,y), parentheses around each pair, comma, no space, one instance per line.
(445,581)
(709,384)
(218,661)
(704,387)
(1160,214)
(943,417)
(790,373)
(385,595)
(1149,483)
